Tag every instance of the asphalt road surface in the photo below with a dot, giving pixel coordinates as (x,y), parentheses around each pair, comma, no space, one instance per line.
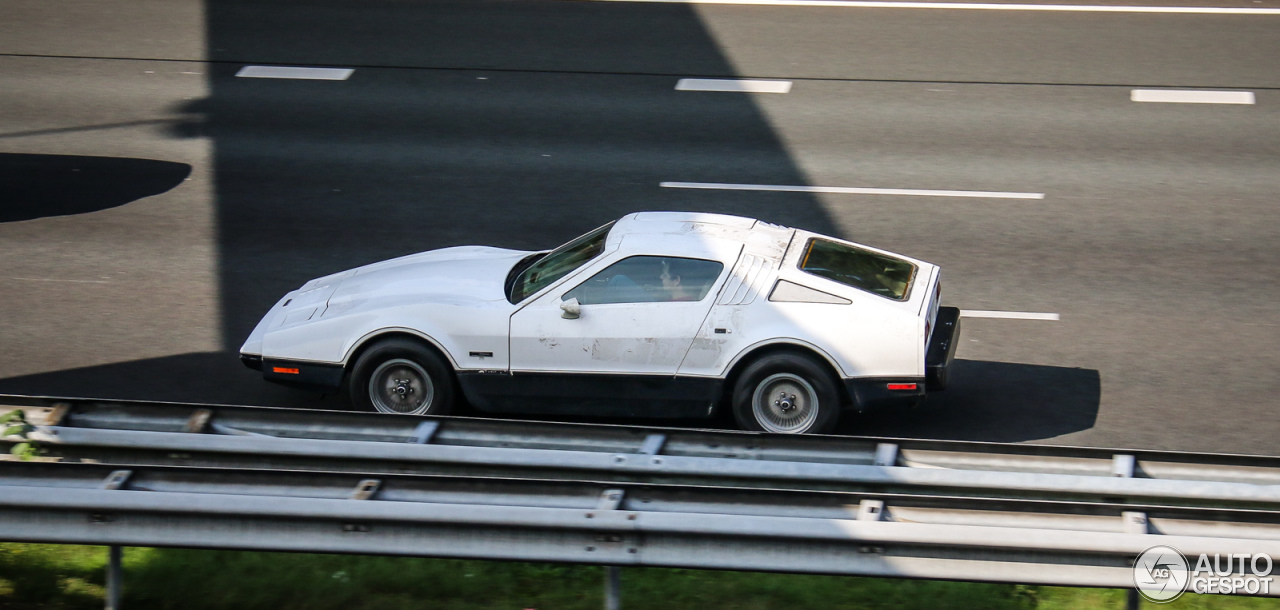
(153,205)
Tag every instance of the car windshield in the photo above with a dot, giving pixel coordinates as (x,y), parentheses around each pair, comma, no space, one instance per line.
(557,264)
(862,269)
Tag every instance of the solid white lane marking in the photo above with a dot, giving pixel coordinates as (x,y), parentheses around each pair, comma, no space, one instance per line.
(1074,8)
(733,85)
(1187,96)
(848,190)
(1008,315)
(295,72)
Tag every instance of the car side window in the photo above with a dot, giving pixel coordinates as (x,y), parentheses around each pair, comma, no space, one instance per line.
(649,279)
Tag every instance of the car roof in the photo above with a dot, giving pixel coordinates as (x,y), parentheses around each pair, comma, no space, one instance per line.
(760,238)
(680,222)
(694,224)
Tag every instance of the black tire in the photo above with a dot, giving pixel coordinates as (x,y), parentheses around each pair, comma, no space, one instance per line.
(807,400)
(401,375)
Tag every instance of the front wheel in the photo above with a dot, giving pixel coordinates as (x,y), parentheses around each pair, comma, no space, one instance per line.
(786,394)
(401,376)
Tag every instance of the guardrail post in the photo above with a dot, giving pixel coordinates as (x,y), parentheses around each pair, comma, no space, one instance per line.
(366,489)
(1122,465)
(611,499)
(198,420)
(425,432)
(1135,522)
(114,578)
(613,588)
(57,414)
(653,444)
(871,510)
(886,454)
(118,479)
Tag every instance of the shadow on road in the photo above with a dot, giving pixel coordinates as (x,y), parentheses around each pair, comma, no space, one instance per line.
(37,186)
(206,377)
(994,401)
(988,401)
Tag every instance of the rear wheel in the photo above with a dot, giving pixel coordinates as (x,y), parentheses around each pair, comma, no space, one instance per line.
(786,393)
(401,376)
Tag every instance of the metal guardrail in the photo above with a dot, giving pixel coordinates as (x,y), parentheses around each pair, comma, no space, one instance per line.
(609,524)
(255,437)
(324,481)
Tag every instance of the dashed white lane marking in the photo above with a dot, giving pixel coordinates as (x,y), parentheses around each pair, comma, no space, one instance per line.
(41,279)
(848,190)
(1074,8)
(1008,315)
(295,72)
(733,85)
(1187,96)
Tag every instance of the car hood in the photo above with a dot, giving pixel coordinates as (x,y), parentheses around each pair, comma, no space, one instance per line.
(463,273)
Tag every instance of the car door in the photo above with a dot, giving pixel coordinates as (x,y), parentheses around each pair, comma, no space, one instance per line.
(621,352)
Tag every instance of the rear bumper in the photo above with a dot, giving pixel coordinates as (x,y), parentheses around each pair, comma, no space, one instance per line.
(942,348)
(872,393)
(868,393)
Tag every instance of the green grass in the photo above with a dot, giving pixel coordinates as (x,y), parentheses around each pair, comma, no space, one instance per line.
(72,577)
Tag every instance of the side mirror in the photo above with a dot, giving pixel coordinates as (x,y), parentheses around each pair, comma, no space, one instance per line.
(571,309)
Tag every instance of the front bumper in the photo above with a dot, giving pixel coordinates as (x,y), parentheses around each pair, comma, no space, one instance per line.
(253,361)
(296,373)
(942,348)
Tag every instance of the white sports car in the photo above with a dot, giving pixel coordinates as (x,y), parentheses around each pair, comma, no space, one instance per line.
(659,314)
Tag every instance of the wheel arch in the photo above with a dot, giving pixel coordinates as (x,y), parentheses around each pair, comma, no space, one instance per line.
(359,346)
(801,348)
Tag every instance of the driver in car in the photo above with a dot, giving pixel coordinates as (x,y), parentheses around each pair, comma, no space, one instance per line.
(671,279)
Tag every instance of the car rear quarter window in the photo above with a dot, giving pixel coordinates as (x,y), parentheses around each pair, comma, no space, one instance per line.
(873,272)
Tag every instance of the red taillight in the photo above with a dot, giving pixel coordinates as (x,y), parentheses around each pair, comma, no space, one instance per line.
(281,369)
(902,386)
